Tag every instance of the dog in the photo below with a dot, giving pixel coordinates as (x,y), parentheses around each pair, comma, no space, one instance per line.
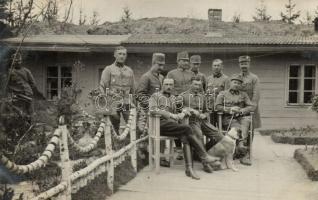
(225,149)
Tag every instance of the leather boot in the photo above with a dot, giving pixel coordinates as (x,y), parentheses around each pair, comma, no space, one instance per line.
(207,168)
(246,160)
(188,162)
(200,150)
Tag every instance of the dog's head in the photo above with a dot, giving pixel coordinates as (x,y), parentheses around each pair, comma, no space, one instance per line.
(235,133)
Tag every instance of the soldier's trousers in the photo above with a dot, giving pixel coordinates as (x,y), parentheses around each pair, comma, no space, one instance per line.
(239,122)
(173,129)
(116,115)
(201,128)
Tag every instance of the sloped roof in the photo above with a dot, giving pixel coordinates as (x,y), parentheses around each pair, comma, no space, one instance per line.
(71,39)
(203,39)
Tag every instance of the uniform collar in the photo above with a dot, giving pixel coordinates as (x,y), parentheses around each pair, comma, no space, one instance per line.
(181,69)
(246,74)
(218,75)
(119,65)
(234,92)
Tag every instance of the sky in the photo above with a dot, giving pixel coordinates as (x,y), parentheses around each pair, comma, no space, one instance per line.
(111,10)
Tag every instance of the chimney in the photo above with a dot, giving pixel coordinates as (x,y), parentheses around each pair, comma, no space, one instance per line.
(215,18)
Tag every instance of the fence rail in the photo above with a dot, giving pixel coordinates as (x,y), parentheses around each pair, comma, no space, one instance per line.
(72,182)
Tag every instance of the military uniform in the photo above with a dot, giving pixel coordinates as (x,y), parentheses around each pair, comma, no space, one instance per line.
(196,59)
(120,81)
(182,79)
(230,98)
(150,82)
(21,84)
(250,85)
(215,84)
(198,102)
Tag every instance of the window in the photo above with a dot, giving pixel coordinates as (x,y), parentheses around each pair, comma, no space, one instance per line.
(57,78)
(301,84)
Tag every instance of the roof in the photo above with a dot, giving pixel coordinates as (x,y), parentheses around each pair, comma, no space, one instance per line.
(70,43)
(71,39)
(147,42)
(204,39)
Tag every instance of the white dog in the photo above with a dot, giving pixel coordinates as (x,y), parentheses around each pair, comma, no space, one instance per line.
(225,149)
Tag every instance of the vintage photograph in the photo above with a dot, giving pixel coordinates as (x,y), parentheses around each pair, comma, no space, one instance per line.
(158,100)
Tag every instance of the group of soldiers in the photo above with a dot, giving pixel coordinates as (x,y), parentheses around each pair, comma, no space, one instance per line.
(185,91)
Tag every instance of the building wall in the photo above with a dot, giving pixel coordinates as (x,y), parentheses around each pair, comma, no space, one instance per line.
(271,69)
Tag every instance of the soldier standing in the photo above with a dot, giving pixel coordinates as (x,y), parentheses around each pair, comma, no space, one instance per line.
(251,87)
(216,83)
(236,106)
(120,81)
(163,103)
(182,75)
(195,62)
(22,86)
(151,80)
(182,80)
(195,100)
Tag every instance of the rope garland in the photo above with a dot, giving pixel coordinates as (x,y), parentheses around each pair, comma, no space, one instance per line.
(39,163)
(90,146)
(124,134)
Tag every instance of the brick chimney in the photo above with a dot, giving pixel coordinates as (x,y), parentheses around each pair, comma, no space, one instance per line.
(215,18)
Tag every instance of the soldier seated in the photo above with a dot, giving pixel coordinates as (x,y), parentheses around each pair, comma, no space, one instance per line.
(195,100)
(163,104)
(236,106)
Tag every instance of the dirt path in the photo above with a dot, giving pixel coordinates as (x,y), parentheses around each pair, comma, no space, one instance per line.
(274,175)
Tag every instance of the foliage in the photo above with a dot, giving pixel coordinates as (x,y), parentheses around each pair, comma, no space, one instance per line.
(290,14)
(261,13)
(308,19)
(236,18)
(314,104)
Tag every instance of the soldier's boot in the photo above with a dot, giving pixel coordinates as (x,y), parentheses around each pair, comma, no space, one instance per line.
(241,147)
(200,150)
(246,160)
(207,168)
(188,162)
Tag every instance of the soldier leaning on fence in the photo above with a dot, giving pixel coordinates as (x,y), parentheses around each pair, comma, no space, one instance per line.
(22,86)
(215,84)
(151,80)
(182,80)
(120,80)
(251,87)
(195,99)
(195,62)
(236,106)
(163,104)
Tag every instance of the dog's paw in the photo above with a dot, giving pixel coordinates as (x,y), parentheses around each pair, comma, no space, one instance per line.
(234,169)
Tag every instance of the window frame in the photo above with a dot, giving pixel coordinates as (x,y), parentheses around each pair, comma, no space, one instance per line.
(302,84)
(59,79)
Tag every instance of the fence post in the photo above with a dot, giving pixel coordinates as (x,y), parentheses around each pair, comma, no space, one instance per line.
(65,160)
(133,154)
(109,151)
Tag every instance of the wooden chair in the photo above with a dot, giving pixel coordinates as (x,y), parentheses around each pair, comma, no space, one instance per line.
(154,144)
(250,135)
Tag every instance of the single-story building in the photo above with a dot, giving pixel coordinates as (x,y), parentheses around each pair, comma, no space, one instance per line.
(286,66)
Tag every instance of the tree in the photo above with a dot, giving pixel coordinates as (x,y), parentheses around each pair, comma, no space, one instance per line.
(126,15)
(4,13)
(290,15)
(236,18)
(82,17)
(94,20)
(261,13)
(316,12)
(51,13)
(308,19)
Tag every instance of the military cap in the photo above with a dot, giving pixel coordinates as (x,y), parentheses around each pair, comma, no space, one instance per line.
(237,77)
(195,59)
(244,59)
(158,58)
(183,56)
